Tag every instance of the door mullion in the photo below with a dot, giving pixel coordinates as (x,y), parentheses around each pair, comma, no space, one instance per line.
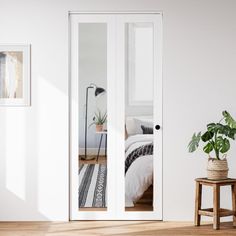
(120,84)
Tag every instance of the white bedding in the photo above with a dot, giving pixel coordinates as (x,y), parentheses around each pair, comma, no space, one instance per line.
(139,176)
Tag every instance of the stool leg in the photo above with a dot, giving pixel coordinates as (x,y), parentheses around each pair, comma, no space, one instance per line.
(233,187)
(99,147)
(106,146)
(216,206)
(198,203)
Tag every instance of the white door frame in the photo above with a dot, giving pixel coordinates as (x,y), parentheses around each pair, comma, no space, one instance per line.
(115,199)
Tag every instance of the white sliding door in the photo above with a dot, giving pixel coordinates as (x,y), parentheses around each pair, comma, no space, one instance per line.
(116,116)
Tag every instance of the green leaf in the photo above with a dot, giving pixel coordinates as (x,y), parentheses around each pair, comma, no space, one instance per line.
(194,143)
(207,136)
(229,119)
(93,123)
(211,126)
(104,118)
(226,146)
(219,142)
(219,128)
(99,118)
(232,134)
(225,129)
(222,144)
(208,148)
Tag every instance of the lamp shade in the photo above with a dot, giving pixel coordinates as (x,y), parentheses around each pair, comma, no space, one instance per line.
(99,90)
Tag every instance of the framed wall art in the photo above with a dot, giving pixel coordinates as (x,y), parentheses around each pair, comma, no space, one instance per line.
(15,75)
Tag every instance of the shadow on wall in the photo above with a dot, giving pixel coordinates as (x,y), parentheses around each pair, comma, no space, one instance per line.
(20,173)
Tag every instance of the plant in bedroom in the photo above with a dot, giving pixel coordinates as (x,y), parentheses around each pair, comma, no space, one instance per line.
(99,119)
(216,139)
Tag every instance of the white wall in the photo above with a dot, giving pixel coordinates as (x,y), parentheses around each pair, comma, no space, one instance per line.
(93,69)
(199,74)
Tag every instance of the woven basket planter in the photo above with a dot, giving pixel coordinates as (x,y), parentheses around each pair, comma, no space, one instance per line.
(217,169)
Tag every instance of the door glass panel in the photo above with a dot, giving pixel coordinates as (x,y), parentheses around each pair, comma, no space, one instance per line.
(140,63)
(139,117)
(92,116)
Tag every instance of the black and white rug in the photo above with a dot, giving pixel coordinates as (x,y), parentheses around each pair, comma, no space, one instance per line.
(92,185)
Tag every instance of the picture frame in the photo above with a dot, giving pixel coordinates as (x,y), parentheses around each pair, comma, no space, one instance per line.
(15,75)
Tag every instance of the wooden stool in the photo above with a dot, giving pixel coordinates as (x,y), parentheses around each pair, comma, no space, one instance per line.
(216,212)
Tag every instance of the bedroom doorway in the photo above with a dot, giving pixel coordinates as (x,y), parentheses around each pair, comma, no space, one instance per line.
(115,116)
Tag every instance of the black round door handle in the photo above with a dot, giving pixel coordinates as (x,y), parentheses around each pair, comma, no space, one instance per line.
(157,127)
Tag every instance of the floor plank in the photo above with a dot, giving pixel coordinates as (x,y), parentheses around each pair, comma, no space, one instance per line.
(118,228)
(93,160)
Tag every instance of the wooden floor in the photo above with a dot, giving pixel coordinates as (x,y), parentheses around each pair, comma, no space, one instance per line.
(93,160)
(145,203)
(140,207)
(118,228)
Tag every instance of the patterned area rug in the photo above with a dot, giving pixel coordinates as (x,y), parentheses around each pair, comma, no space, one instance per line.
(92,185)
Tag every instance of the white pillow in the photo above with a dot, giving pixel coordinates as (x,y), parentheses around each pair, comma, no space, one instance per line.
(133,124)
(144,122)
(130,126)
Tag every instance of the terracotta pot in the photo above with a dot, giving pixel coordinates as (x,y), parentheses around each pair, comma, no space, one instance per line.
(99,128)
(217,169)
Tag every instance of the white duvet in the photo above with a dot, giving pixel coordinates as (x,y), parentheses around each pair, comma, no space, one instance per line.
(139,176)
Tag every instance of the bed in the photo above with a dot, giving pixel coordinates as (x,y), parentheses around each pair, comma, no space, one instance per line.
(138,158)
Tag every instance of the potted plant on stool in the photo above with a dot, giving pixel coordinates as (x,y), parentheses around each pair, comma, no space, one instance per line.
(99,119)
(216,139)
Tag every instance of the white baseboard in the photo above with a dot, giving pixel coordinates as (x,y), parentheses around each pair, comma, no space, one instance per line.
(92,151)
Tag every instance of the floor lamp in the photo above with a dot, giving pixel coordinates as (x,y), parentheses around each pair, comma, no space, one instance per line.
(98,91)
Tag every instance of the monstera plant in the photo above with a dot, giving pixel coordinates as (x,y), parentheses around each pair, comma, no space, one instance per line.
(216,139)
